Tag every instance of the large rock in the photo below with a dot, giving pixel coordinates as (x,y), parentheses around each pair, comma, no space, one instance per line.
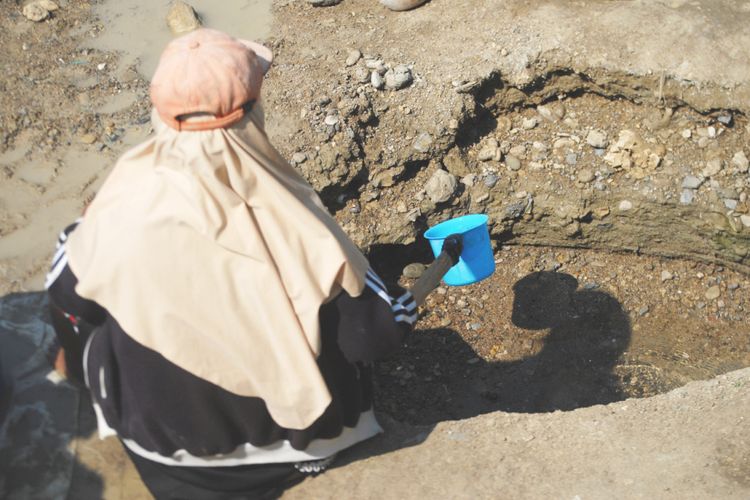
(398,77)
(39,10)
(182,18)
(441,186)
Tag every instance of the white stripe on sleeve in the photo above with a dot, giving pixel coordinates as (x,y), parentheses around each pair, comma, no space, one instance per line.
(381,293)
(57,269)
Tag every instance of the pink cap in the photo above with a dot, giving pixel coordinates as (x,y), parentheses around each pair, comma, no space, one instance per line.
(207,71)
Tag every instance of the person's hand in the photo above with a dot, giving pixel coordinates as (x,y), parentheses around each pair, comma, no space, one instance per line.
(60,366)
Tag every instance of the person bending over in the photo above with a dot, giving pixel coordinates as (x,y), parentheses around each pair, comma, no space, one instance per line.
(223,322)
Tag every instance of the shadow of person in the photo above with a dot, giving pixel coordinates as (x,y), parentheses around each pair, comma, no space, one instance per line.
(588,331)
(43,415)
(438,376)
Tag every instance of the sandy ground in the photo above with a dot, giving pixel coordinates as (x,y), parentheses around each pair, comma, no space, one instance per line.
(69,107)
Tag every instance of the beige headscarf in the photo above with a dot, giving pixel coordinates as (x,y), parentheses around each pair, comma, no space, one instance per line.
(210,249)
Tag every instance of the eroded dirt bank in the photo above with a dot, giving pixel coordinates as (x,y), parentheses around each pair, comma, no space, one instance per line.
(584,124)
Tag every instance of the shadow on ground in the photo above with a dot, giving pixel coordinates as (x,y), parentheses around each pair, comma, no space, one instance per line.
(438,376)
(441,378)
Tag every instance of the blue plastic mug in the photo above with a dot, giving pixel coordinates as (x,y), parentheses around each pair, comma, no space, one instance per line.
(477,261)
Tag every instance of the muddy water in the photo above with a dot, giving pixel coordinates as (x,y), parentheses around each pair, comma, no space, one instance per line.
(138,29)
(42,197)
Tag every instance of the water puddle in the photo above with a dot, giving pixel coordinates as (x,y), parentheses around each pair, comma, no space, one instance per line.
(39,199)
(139,31)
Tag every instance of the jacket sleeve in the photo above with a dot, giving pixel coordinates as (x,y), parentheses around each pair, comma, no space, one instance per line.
(61,283)
(73,317)
(372,325)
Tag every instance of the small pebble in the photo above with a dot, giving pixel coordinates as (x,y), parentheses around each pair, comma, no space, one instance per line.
(353,57)
(529,123)
(713,293)
(88,138)
(740,161)
(441,186)
(182,18)
(713,167)
(398,77)
(552,112)
(597,139)
(414,270)
(691,182)
(513,163)
(725,119)
(376,80)
(39,10)
(423,142)
(490,180)
(642,311)
(625,205)
(687,196)
(362,75)
(666,276)
(586,176)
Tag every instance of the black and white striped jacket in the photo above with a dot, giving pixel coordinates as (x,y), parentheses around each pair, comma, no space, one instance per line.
(168,415)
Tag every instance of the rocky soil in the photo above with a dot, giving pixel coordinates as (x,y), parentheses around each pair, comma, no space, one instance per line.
(567,157)
(607,141)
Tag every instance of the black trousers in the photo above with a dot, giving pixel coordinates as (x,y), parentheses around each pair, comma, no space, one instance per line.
(265,481)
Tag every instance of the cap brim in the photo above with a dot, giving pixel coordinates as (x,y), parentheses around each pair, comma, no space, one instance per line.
(264,54)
